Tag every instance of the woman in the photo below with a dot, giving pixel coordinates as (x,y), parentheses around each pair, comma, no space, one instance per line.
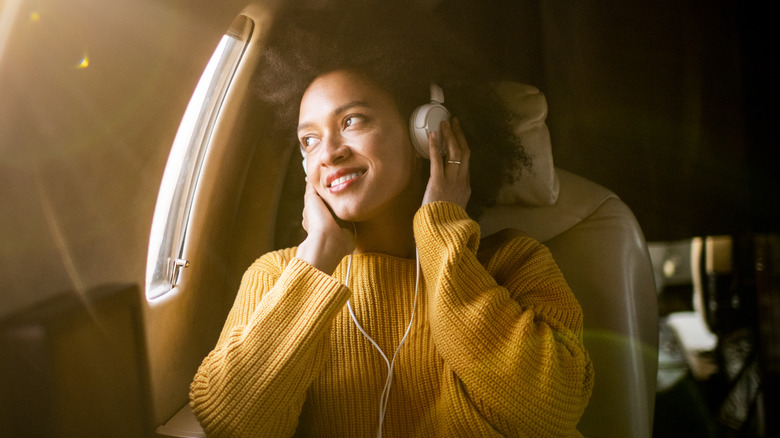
(392,316)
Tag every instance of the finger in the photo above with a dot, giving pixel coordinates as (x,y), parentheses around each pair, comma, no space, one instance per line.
(435,155)
(454,152)
(465,151)
(312,202)
(308,193)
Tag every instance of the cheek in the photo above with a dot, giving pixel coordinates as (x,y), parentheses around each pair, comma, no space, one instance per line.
(402,168)
(401,144)
(396,157)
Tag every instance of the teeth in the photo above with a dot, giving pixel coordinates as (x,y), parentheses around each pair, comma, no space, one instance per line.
(344,179)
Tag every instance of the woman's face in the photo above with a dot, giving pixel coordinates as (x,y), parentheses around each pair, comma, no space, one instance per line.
(358,151)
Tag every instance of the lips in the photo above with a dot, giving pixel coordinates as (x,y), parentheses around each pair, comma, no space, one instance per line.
(342,178)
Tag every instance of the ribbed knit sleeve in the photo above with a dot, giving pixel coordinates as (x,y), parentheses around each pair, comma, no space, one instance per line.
(254,382)
(513,339)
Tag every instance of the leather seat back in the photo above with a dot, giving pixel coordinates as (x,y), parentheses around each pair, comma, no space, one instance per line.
(598,244)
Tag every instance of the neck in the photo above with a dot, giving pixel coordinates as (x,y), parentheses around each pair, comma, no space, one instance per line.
(387,237)
(392,232)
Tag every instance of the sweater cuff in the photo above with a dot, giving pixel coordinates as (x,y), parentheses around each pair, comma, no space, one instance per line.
(318,286)
(440,222)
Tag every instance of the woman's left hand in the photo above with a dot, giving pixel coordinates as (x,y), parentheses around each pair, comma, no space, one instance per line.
(449,179)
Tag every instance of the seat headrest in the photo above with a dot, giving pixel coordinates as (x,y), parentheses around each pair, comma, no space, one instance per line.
(536,185)
(579,198)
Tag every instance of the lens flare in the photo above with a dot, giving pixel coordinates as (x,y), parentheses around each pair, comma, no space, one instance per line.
(84,63)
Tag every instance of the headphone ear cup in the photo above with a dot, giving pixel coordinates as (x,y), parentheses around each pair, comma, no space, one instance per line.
(426,119)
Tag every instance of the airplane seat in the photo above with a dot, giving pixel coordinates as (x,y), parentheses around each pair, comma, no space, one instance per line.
(75,365)
(599,246)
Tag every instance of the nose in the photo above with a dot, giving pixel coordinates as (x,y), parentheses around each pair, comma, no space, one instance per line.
(333,150)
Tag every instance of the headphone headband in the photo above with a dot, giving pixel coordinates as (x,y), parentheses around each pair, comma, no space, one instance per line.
(437,94)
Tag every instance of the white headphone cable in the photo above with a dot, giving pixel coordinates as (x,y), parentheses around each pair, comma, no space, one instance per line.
(390,364)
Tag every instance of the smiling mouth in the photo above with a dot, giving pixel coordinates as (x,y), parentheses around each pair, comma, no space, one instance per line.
(344,179)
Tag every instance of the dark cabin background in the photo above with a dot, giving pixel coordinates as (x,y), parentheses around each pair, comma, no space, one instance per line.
(668,103)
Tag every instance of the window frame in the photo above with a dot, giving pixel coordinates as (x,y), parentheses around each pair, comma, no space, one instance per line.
(178,190)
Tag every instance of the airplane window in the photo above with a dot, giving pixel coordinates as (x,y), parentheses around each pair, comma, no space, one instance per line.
(167,241)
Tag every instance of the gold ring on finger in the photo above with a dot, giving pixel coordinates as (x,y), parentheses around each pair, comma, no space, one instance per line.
(453,162)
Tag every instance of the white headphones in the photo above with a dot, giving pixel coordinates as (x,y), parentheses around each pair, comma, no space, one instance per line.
(425,119)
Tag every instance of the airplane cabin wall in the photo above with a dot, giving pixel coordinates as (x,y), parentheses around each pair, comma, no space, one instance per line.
(92,94)
(83,149)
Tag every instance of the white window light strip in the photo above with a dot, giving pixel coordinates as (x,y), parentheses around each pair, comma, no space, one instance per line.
(173,169)
(230,54)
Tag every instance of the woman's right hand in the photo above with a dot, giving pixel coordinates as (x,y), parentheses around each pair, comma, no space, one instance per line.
(328,239)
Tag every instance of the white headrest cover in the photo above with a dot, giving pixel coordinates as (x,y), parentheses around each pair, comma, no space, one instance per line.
(537,185)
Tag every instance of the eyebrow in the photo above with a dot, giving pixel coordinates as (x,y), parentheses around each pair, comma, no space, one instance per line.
(336,111)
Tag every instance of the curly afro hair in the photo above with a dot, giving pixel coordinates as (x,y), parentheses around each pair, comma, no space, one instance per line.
(402,49)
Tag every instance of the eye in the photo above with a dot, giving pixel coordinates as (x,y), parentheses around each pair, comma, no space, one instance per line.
(352,120)
(308,141)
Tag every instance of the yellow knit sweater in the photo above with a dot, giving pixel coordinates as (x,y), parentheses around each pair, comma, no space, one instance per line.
(495,348)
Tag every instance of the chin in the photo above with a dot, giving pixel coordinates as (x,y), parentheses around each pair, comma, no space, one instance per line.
(351,213)
(343,212)
(349,216)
